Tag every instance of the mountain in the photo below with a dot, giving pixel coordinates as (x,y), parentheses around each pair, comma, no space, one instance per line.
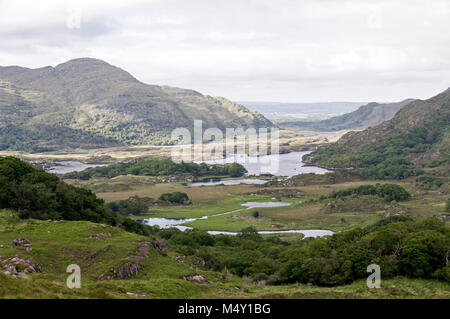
(90,103)
(417,136)
(370,114)
(286,112)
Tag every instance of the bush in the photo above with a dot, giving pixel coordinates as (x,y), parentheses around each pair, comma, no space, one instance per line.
(131,206)
(174,198)
(389,192)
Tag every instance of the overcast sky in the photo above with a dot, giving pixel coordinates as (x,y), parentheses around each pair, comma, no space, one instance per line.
(245,50)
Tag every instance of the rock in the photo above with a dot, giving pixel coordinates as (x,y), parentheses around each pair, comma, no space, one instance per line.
(141,252)
(18,267)
(104,250)
(396,211)
(444,218)
(22,242)
(180,259)
(100,236)
(197,278)
(199,263)
(158,244)
(128,270)
(29,249)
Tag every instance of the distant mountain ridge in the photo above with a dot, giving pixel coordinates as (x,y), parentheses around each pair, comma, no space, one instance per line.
(367,115)
(286,112)
(417,136)
(89,103)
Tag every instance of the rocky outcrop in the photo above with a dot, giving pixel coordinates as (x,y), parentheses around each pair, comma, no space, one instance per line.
(396,211)
(197,278)
(104,250)
(19,267)
(21,242)
(126,271)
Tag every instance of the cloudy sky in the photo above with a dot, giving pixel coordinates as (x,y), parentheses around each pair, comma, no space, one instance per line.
(246,50)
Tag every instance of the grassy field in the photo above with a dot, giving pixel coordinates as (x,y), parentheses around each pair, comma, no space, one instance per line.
(56,244)
(302,214)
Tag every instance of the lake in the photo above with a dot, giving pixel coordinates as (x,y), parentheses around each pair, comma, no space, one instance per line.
(289,164)
(63,167)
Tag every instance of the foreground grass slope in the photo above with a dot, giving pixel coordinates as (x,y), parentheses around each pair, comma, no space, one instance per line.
(56,244)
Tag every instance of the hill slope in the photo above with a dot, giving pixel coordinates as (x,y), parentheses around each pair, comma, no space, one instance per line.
(365,116)
(417,136)
(90,103)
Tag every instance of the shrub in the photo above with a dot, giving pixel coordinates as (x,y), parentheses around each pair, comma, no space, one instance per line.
(174,198)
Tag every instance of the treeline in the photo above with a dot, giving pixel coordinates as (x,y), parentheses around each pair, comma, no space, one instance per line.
(140,205)
(388,192)
(159,167)
(40,195)
(399,245)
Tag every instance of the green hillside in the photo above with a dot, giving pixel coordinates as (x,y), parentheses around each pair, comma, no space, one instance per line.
(365,116)
(47,225)
(88,103)
(417,137)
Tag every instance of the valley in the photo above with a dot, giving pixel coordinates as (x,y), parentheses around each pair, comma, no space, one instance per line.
(143,226)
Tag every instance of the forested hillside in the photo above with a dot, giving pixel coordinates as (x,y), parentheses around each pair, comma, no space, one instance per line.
(418,137)
(88,103)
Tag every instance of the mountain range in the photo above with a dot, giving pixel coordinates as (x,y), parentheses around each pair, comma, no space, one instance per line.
(418,136)
(370,114)
(88,103)
(282,112)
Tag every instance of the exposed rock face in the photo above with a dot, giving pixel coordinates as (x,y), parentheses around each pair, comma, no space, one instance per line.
(198,263)
(130,268)
(197,278)
(126,271)
(22,242)
(104,250)
(396,211)
(18,267)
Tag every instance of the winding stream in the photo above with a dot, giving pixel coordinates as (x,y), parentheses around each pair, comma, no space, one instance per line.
(179,223)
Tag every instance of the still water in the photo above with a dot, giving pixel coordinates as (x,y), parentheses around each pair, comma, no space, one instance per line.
(179,223)
(64,167)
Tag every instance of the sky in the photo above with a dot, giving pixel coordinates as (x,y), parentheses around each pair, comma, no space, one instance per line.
(245,50)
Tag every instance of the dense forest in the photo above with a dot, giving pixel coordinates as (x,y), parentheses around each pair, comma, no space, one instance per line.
(159,167)
(401,246)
